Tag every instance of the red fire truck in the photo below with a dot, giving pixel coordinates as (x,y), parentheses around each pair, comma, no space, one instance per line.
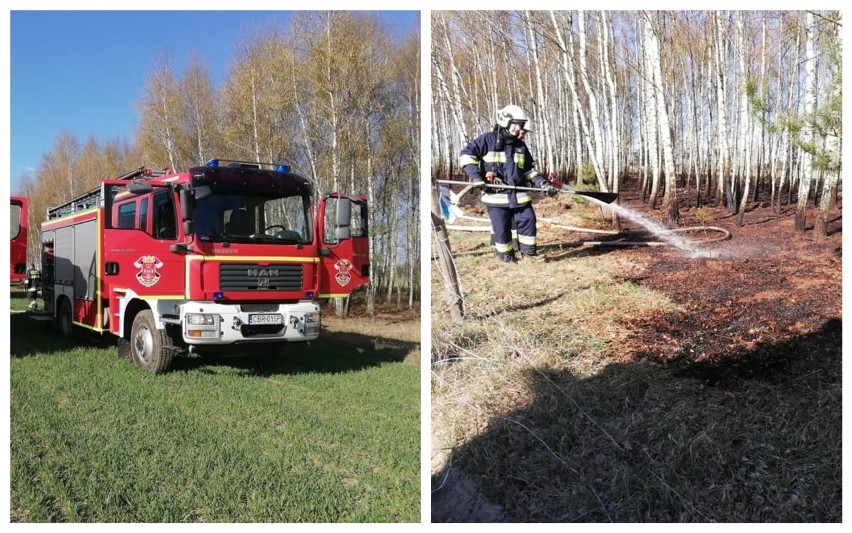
(225,254)
(18,249)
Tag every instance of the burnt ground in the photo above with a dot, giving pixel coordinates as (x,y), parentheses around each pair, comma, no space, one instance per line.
(765,285)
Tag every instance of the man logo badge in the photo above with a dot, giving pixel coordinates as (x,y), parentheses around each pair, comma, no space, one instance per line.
(263,275)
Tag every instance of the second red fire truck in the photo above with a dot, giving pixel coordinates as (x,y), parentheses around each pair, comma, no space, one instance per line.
(18,248)
(225,254)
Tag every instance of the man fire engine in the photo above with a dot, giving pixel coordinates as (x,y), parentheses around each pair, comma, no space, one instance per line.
(224,254)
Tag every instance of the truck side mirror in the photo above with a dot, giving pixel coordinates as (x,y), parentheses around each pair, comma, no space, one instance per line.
(187,204)
(344,212)
(342,229)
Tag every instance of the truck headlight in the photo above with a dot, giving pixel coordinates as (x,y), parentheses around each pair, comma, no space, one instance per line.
(202,325)
(312,323)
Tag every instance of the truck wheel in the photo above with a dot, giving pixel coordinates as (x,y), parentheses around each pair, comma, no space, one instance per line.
(150,348)
(64,319)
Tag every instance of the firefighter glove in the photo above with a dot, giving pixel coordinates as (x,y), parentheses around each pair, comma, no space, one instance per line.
(549,189)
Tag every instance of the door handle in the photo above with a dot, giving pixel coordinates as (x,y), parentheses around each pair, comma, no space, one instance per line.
(111,268)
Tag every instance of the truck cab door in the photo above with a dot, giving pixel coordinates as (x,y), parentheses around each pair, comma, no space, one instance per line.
(344,245)
(139,229)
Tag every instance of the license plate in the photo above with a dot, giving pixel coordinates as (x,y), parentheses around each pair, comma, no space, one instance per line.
(265,319)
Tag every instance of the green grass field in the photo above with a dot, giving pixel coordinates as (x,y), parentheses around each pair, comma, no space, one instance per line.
(328,433)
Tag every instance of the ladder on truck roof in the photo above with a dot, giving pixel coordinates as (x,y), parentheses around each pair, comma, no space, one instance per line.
(92,199)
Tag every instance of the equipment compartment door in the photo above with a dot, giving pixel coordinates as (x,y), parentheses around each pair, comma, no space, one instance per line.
(139,230)
(344,246)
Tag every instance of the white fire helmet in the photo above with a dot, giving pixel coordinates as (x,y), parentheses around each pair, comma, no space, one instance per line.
(511,113)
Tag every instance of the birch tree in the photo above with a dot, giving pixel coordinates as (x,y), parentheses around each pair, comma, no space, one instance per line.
(745,114)
(807,130)
(198,115)
(652,49)
(159,111)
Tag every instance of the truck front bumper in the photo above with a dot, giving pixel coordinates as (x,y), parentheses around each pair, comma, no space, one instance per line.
(210,323)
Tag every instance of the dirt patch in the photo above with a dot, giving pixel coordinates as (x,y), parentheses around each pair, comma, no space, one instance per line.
(766,284)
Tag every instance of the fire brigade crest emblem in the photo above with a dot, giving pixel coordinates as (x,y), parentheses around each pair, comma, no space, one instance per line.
(343,267)
(148,266)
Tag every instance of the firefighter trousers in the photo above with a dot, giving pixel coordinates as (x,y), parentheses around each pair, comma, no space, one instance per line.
(501,226)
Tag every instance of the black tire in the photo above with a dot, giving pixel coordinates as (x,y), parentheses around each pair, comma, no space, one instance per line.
(150,348)
(64,319)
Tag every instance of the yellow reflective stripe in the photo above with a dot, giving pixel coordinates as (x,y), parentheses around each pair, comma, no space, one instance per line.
(519,159)
(495,157)
(503,199)
(465,160)
(223,258)
(531,174)
(526,239)
(495,199)
(503,248)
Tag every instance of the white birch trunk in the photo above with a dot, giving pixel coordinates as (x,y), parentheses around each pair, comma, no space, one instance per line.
(541,115)
(596,150)
(652,48)
(720,55)
(745,141)
(807,129)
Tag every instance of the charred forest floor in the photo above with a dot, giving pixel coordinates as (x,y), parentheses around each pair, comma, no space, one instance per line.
(637,384)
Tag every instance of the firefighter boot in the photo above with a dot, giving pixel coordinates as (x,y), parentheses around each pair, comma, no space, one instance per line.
(507,257)
(532,254)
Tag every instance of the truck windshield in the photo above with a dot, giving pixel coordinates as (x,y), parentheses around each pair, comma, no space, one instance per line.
(253,218)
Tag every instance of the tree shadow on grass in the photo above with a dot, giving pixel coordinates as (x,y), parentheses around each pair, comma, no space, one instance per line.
(333,352)
(753,438)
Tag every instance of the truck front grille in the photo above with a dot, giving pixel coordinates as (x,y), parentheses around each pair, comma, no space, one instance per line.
(254,277)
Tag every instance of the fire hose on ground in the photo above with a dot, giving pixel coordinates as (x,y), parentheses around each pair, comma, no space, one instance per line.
(451,211)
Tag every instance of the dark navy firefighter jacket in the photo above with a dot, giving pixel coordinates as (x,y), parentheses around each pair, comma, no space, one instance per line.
(510,160)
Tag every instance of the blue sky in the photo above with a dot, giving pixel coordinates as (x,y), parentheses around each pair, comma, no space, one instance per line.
(84,70)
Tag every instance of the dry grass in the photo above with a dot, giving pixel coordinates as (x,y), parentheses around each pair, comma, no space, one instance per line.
(538,409)
(392,330)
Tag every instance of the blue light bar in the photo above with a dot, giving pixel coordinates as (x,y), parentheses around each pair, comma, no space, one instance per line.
(283,169)
(218,295)
(213,163)
(309,295)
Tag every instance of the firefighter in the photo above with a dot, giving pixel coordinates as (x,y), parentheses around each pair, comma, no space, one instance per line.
(33,282)
(501,157)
